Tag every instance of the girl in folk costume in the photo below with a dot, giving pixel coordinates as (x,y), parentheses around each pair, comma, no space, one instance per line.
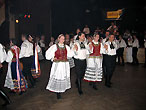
(94,63)
(59,80)
(35,69)
(14,79)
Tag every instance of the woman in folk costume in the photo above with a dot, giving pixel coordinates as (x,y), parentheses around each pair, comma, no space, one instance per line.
(14,79)
(59,80)
(93,72)
(35,69)
(129,58)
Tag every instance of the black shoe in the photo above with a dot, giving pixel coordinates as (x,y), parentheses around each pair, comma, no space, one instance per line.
(58,96)
(108,85)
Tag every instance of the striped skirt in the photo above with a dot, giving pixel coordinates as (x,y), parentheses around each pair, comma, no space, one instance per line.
(93,71)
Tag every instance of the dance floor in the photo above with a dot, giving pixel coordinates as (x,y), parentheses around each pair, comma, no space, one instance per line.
(128,92)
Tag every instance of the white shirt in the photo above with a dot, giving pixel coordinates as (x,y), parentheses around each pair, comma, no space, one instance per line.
(2,54)
(42,44)
(121,44)
(135,43)
(82,53)
(26,49)
(109,51)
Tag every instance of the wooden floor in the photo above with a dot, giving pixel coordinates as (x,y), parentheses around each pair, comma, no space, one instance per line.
(127,93)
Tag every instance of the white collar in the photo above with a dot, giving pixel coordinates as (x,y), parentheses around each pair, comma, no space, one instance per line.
(95,42)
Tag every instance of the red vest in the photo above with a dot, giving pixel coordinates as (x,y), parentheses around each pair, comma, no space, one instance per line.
(14,54)
(61,54)
(96,49)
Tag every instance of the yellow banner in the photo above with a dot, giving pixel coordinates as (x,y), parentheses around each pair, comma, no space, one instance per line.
(114,14)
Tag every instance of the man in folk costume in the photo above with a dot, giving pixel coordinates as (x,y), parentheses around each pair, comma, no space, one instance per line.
(109,50)
(59,80)
(135,46)
(121,46)
(81,52)
(107,34)
(14,79)
(26,57)
(93,72)
(2,59)
(35,69)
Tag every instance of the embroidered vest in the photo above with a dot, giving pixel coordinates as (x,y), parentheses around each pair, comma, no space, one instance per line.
(61,54)
(96,49)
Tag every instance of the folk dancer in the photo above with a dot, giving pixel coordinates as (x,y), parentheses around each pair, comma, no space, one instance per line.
(59,80)
(109,51)
(81,52)
(26,57)
(15,80)
(121,46)
(93,72)
(135,46)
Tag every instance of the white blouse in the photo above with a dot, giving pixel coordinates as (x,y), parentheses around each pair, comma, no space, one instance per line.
(50,53)
(2,54)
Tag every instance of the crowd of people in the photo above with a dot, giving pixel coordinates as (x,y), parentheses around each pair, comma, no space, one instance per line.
(93,56)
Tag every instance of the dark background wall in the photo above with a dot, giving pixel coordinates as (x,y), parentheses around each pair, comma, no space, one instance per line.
(52,17)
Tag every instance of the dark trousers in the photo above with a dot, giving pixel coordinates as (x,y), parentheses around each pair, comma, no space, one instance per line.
(27,64)
(134,55)
(120,52)
(103,65)
(43,51)
(80,67)
(110,63)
